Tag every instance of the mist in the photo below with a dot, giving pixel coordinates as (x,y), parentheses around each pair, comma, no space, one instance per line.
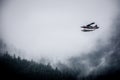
(50,29)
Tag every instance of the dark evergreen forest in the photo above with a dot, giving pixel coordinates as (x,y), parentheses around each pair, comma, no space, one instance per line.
(15,68)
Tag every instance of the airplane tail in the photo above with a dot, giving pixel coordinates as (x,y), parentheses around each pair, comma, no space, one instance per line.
(96,27)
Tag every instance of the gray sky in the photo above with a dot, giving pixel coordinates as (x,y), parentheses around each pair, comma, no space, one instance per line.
(51,28)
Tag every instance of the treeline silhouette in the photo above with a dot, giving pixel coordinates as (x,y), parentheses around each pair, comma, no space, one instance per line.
(15,68)
(12,67)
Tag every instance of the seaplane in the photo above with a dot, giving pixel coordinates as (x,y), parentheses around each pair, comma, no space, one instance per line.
(89,27)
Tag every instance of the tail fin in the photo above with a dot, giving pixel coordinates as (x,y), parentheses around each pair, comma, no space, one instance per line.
(96,26)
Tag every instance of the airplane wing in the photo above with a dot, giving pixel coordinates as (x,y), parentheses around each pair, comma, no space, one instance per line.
(91,24)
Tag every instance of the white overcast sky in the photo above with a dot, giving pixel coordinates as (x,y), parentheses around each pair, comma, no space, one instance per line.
(51,28)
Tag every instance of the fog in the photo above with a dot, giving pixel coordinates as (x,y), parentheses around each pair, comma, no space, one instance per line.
(51,28)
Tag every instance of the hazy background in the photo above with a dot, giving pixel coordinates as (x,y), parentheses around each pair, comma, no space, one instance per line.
(51,28)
